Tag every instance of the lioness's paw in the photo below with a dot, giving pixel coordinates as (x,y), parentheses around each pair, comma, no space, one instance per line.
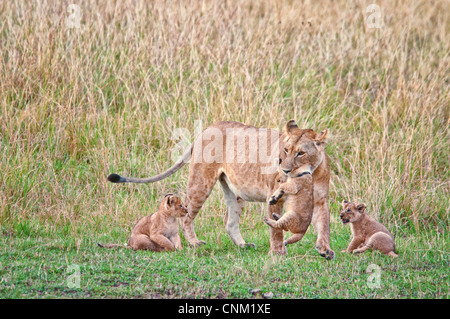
(329,255)
(248,245)
(198,243)
(278,252)
(324,252)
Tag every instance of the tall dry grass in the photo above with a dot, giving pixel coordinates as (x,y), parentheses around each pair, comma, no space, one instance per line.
(79,103)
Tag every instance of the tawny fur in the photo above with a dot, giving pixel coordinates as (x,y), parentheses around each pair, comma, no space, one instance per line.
(299,203)
(366,231)
(158,231)
(243,181)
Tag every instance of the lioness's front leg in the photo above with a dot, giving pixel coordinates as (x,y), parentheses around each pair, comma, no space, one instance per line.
(321,223)
(277,246)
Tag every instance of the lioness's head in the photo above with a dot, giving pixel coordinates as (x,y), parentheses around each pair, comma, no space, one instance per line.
(303,150)
(174,206)
(351,212)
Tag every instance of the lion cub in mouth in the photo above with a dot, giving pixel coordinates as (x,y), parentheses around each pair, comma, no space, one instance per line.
(299,204)
(367,232)
(158,231)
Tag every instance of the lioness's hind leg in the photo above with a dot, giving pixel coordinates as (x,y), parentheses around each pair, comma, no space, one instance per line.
(200,184)
(235,206)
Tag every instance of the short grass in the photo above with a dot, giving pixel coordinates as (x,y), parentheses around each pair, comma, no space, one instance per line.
(40,264)
(77,104)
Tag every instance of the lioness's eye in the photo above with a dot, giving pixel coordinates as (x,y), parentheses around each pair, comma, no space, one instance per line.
(301,153)
(285,150)
(181,206)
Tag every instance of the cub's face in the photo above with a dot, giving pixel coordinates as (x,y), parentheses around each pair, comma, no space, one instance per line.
(351,212)
(303,150)
(175,206)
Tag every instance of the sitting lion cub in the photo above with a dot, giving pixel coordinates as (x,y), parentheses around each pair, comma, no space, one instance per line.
(298,216)
(367,232)
(158,231)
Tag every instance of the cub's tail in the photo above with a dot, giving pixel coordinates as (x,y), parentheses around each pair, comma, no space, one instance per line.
(113,246)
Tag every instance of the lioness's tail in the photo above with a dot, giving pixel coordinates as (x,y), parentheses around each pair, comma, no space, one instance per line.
(113,246)
(114,178)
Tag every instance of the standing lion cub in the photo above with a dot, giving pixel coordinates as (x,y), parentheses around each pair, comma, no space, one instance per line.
(367,232)
(158,231)
(299,205)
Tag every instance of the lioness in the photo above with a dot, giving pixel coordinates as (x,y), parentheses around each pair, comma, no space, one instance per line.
(226,152)
(366,231)
(158,231)
(299,204)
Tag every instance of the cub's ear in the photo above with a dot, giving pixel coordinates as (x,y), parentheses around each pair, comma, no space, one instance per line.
(322,137)
(168,199)
(361,207)
(290,127)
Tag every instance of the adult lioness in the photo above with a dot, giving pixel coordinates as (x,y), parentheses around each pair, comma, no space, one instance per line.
(241,157)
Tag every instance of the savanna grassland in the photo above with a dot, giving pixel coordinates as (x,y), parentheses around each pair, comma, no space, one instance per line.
(87,93)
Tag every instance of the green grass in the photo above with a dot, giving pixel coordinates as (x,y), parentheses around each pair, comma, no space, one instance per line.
(35,263)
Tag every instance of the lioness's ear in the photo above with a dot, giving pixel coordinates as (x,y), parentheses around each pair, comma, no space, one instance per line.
(322,137)
(361,207)
(290,127)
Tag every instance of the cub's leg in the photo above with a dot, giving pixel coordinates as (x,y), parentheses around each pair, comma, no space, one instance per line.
(354,244)
(290,187)
(176,240)
(361,249)
(293,239)
(280,224)
(164,242)
(276,196)
(276,216)
(142,242)
(235,207)
(275,223)
(392,254)
(382,242)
